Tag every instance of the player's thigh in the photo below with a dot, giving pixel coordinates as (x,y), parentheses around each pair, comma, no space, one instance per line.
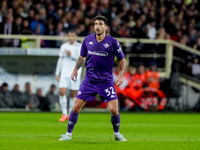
(78,105)
(87,91)
(64,82)
(74,87)
(63,85)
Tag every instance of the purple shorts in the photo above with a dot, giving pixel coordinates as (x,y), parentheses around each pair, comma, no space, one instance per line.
(88,91)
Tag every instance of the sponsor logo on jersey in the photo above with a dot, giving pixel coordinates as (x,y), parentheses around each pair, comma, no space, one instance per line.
(79,93)
(91,43)
(119,50)
(99,53)
(106,45)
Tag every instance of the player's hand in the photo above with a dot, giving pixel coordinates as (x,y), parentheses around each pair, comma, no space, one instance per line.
(74,75)
(119,81)
(57,78)
(68,52)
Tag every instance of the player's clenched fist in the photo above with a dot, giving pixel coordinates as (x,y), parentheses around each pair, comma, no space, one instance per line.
(74,75)
(119,81)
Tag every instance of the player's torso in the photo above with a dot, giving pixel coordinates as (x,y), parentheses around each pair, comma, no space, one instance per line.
(100,51)
(69,62)
(100,57)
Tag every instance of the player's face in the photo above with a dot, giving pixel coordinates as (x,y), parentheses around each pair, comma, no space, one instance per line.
(99,27)
(71,37)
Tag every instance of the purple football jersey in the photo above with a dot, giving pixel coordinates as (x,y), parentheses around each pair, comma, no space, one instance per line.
(100,57)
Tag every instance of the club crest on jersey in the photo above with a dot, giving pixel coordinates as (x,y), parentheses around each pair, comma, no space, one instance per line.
(106,45)
(79,93)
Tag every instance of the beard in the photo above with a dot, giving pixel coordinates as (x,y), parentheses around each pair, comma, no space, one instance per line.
(100,33)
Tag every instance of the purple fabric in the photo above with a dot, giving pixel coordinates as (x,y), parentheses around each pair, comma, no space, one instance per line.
(73,117)
(100,57)
(115,120)
(88,91)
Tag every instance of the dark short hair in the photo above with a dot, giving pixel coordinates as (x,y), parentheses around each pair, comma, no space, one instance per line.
(71,31)
(53,85)
(103,18)
(4,84)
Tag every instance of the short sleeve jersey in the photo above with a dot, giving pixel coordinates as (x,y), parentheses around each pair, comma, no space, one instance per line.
(69,61)
(100,57)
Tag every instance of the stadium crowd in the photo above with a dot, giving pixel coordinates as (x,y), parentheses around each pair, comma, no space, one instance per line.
(27,99)
(178,20)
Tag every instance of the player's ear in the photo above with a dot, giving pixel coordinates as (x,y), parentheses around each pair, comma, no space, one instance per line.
(106,27)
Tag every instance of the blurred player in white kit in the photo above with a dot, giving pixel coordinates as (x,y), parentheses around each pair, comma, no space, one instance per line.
(69,53)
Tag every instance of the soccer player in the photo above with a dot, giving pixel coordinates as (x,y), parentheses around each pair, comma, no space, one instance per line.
(100,50)
(69,53)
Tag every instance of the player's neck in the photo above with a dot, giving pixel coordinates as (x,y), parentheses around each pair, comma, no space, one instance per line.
(100,37)
(72,42)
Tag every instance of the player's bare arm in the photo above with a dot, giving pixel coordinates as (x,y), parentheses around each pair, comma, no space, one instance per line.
(79,63)
(119,80)
(57,78)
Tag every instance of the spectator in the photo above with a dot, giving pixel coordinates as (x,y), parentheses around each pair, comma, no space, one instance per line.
(50,31)
(31,14)
(26,28)
(17,97)
(52,97)
(170,26)
(197,44)
(132,95)
(37,24)
(192,36)
(27,97)
(151,29)
(43,15)
(196,68)
(26,43)
(7,27)
(152,79)
(115,27)
(1,16)
(59,32)
(58,15)
(19,12)
(137,31)
(18,26)
(68,6)
(44,104)
(5,97)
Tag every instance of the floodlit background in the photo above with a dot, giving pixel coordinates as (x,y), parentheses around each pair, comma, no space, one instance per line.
(164,32)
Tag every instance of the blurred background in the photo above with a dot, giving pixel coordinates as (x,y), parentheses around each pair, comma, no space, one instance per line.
(160,39)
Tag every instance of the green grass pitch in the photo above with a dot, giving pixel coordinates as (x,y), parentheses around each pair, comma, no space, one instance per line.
(143,131)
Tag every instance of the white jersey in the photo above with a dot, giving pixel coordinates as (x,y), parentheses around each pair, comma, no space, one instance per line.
(67,63)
